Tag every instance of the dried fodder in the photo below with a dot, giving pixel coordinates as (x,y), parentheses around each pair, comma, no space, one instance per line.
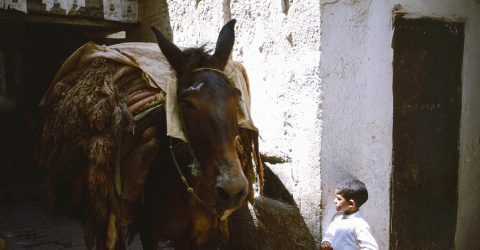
(86,114)
(84,120)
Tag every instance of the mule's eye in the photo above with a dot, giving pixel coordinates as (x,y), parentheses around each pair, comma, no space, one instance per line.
(187,103)
(237,92)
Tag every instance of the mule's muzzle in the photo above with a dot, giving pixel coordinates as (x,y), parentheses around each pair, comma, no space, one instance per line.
(231,192)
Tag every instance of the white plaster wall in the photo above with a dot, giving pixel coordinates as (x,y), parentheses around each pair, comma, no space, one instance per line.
(281,52)
(356,72)
(356,140)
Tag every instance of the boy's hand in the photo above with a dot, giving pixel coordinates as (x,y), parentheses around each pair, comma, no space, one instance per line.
(326,246)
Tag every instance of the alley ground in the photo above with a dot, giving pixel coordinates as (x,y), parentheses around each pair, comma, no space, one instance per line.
(27,222)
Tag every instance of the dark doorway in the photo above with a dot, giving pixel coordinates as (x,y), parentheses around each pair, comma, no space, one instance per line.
(426,116)
(31,52)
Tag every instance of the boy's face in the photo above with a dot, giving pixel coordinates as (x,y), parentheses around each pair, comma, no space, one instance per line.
(343,205)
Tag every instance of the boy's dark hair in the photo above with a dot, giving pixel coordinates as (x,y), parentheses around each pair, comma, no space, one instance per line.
(353,190)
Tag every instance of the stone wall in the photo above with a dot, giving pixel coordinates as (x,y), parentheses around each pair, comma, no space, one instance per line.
(357,107)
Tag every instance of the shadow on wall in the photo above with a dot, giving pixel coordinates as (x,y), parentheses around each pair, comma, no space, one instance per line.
(274,223)
(157,15)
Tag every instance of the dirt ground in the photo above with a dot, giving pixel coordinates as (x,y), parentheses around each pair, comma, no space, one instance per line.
(26,222)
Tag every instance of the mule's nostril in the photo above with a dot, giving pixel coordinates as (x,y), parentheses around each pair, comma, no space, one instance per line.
(230,199)
(242,194)
(222,194)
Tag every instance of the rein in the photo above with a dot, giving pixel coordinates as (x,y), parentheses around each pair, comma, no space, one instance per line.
(190,189)
(182,177)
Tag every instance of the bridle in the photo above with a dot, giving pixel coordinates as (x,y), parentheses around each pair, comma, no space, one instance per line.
(212,69)
(195,165)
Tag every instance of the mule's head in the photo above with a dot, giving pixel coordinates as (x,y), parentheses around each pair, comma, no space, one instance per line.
(208,107)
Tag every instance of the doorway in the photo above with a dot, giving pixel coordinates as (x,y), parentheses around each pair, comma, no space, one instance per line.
(427,65)
(30,55)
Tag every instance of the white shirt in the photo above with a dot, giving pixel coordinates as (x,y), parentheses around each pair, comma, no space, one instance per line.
(350,232)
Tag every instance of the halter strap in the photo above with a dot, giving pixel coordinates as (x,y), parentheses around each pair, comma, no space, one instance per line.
(212,69)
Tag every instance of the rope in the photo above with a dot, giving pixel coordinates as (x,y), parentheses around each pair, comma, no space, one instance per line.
(185,182)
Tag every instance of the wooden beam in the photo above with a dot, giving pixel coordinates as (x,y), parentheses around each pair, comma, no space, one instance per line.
(11,16)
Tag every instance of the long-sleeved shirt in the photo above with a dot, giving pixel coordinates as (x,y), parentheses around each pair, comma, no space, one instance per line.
(350,232)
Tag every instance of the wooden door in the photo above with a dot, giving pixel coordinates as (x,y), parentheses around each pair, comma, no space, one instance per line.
(427,103)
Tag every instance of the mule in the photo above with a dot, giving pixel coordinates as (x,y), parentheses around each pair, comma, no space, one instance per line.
(113,178)
(208,110)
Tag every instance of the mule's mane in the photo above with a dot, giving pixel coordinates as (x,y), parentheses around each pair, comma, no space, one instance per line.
(200,57)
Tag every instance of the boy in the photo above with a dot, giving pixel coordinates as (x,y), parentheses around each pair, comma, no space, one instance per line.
(349,230)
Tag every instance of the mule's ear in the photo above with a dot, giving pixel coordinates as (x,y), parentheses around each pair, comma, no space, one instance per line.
(225,42)
(174,55)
